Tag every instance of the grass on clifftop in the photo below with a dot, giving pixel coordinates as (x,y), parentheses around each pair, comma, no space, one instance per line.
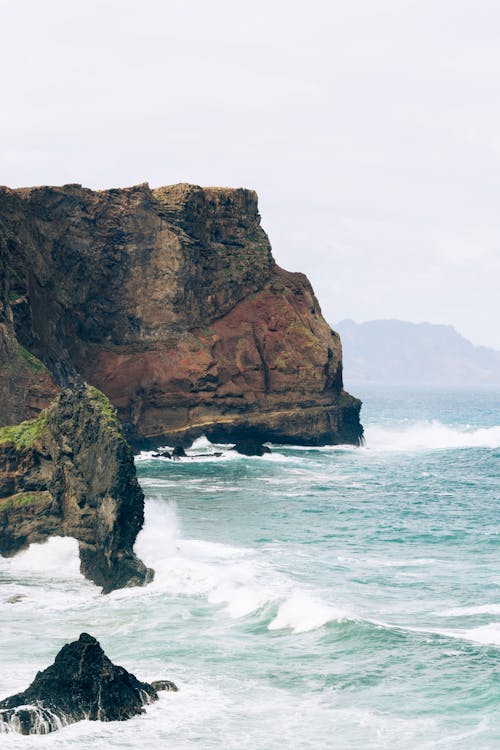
(25,434)
(104,405)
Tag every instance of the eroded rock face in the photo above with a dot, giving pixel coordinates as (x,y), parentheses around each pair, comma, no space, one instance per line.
(81,684)
(26,386)
(71,473)
(170,302)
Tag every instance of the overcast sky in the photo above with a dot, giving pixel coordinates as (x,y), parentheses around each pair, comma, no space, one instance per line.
(369,128)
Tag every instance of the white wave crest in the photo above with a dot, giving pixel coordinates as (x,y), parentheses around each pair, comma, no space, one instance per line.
(302,613)
(483,609)
(433,435)
(488,635)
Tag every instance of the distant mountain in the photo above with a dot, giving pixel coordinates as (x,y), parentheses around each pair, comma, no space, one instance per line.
(394,351)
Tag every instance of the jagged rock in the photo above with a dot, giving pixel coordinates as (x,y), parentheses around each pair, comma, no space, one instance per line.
(249,447)
(70,472)
(170,302)
(81,684)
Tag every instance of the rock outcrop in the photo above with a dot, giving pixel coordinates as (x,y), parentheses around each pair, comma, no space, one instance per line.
(70,472)
(169,301)
(81,684)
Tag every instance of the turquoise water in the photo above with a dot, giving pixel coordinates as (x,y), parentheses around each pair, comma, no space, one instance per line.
(333,597)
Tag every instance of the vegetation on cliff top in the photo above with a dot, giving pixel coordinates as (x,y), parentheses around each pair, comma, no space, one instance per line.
(25,434)
(102,402)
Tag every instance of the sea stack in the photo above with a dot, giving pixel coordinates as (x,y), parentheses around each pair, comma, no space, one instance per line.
(82,683)
(70,472)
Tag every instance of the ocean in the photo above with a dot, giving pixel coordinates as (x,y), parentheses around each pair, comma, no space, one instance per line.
(332,597)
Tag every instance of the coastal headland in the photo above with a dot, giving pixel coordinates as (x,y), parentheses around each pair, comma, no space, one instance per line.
(169,304)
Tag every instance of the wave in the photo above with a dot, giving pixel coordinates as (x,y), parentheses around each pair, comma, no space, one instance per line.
(56,558)
(487,635)
(433,435)
(238,579)
(302,613)
(482,609)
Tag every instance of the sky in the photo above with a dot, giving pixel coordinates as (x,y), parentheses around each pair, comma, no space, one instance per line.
(369,128)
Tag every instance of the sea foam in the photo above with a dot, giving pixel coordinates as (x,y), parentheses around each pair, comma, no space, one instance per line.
(433,435)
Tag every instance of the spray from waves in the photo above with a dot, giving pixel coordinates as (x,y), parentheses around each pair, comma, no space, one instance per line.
(419,436)
(431,435)
(56,558)
(205,451)
(46,576)
(238,579)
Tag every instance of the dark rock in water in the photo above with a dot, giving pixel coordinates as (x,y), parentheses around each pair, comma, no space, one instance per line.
(162,454)
(81,684)
(179,452)
(164,685)
(250,447)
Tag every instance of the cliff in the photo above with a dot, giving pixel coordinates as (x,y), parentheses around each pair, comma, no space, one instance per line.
(26,385)
(169,301)
(69,472)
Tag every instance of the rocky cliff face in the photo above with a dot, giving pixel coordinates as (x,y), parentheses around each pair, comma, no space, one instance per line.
(70,473)
(170,302)
(26,385)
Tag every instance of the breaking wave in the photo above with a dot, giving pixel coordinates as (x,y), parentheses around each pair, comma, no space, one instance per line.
(433,435)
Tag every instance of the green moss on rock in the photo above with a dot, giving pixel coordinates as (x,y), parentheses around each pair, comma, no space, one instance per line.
(23,498)
(104,405)
(32,361)
(26,434)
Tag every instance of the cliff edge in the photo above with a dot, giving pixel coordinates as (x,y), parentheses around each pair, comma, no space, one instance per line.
(169,301)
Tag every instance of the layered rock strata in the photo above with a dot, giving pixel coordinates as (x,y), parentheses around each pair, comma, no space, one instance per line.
(170,302)
(81,684)
(70,472)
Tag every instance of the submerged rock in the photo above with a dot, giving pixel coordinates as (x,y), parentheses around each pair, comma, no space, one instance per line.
(81,684)
(250,447)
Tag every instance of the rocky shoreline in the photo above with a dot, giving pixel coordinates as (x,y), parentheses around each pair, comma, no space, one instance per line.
(132,319)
